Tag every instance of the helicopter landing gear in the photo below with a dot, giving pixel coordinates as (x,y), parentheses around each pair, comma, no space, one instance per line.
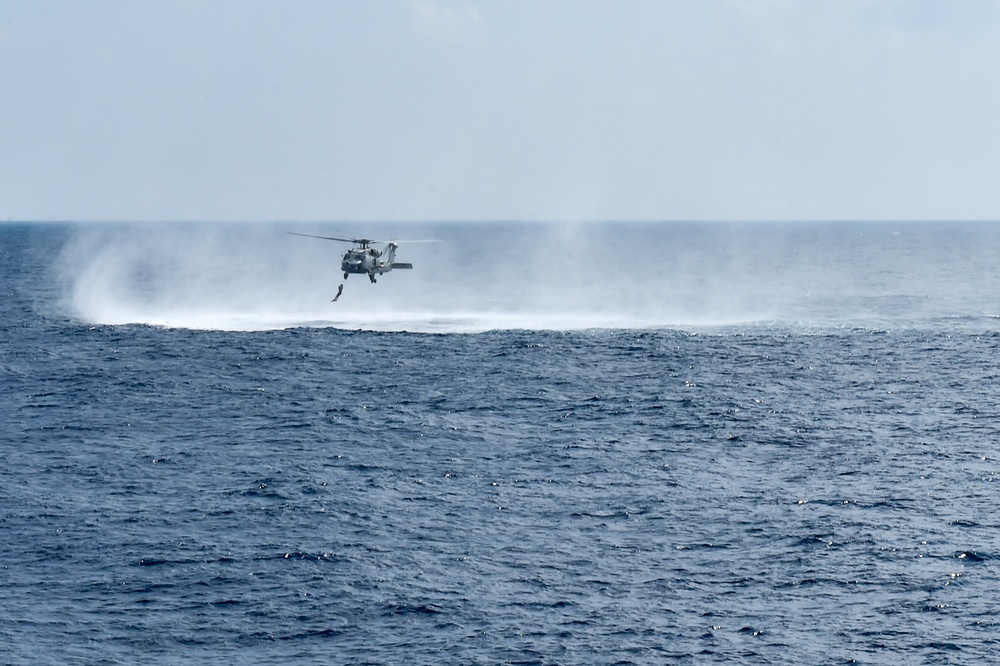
(345,275)
(371,276)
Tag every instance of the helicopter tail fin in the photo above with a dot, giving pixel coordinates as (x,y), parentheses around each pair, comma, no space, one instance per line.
(390,251)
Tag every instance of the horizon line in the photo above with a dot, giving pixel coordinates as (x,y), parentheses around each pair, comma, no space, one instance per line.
(851,220)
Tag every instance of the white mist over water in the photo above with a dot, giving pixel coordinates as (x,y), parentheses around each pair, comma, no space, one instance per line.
(532,276)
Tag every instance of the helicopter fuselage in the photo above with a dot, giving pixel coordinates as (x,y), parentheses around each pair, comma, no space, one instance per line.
(362,260)
(368,261)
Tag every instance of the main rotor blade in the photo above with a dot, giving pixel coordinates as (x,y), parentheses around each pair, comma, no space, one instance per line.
(342,239)
(363,241)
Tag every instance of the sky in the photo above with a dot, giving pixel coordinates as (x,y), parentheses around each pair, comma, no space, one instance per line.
(465,110)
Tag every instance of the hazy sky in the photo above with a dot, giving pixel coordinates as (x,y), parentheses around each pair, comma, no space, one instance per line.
(500,109)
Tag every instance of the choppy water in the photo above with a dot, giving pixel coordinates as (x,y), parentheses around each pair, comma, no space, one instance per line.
(765,444)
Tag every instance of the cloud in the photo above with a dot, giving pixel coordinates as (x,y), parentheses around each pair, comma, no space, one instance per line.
(447,21)
(12,36)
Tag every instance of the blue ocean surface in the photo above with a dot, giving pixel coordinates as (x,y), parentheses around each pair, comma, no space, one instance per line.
(545,444)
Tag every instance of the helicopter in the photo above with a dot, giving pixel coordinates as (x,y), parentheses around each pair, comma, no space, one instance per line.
(365,259)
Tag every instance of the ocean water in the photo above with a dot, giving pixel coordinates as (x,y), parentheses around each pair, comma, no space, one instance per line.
(546,444)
